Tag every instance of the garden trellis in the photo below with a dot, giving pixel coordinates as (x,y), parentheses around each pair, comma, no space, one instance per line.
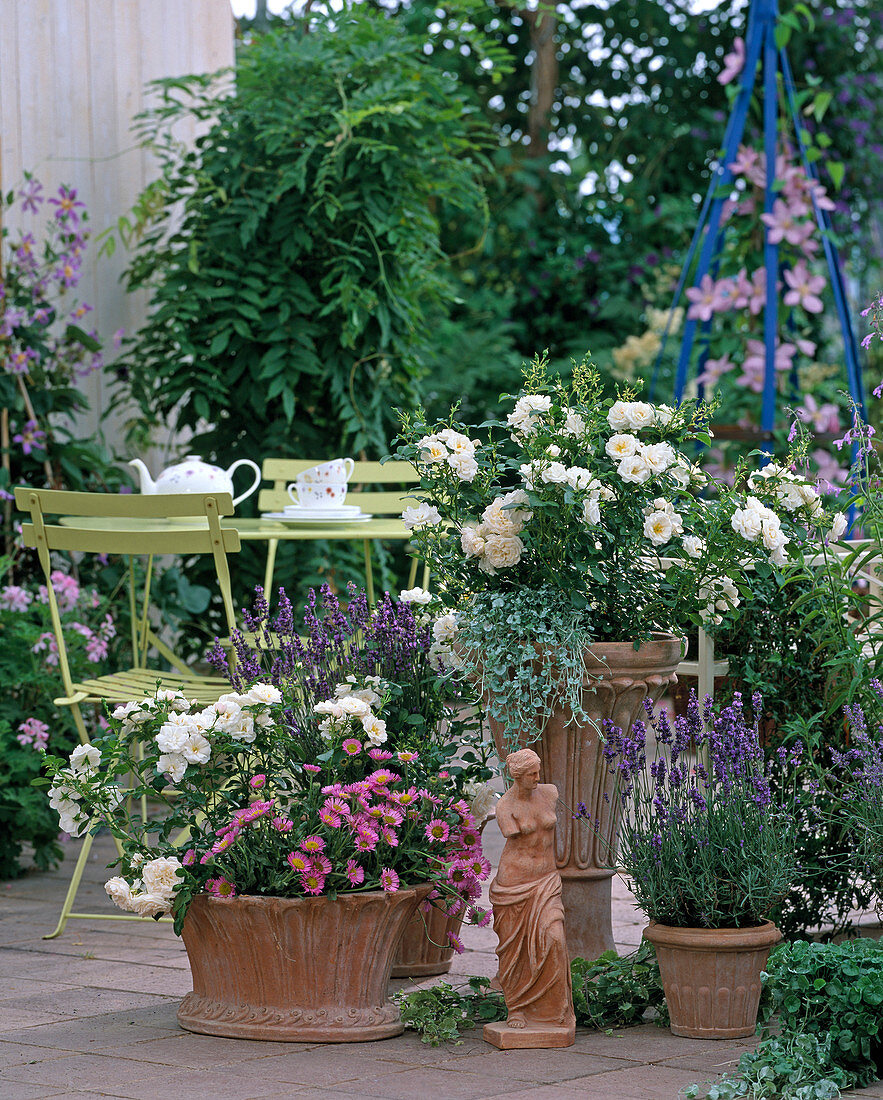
(762,51)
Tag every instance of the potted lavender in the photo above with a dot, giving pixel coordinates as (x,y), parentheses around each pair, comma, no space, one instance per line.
(707,841)
(861,769)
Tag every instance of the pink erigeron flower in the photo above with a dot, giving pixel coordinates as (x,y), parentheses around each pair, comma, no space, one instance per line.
(437,830)
(479,866)
(388,833)
(220,888)
(257,782)
(470,837)
(455,942)
(222,844)
(366,840)
(480,917)
(313,844)
(332,820)
(298,861)
(381,778)
(407,757)
(312,882)
(282,824)
(389,880)
(355,873)
(379,756)
(404,798)
(319,865)
(391,816)
(336,805)
(313,769)
(189,858)
(351,746)
(333,789)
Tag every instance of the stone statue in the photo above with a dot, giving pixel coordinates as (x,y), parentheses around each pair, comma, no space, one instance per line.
(529,916)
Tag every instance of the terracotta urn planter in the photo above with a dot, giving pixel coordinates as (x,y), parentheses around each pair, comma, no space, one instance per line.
(618,680)
(295,969)
(422,950)
(711,977)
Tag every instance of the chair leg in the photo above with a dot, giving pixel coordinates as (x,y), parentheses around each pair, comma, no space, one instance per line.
(369,573)
(412,574)
(272,545)
(72,888)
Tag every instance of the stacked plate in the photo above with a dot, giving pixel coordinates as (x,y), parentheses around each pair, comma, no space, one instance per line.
(341,513)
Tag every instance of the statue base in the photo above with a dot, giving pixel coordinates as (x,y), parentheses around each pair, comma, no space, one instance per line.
(537,1037)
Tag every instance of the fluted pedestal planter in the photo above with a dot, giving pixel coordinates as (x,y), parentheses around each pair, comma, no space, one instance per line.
(618,680)
(711,977)
(295,969)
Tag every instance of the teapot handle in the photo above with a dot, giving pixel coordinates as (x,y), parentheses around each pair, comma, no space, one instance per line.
(254,484)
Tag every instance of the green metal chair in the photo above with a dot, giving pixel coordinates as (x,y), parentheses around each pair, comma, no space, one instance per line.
(396,478)
(146,527)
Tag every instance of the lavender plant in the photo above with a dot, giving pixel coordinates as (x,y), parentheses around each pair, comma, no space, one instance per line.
(708,830)
(861,768)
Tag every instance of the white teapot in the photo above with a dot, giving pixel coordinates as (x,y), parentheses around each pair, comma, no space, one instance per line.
(195,476)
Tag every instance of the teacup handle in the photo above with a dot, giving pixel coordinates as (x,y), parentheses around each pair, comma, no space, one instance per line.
(254,484)
(352,466)
(293,494)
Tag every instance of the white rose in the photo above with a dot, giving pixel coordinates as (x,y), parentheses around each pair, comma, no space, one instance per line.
(621,446)
(639,415)
(658,528)
(554,474)
(414,595)
(591,513)
(481,798)
(85,760)
(119,892)
(173,735)
(528,474)
(664,413)
(330,707)
(838,528)
(771,533)
(779,556)
(458,443)
(574,424)
(553,449)
(528,411)
(174,696)
(503,551)
(240,727)
(431,449)
(578,478)
(196,749)
(229,706)
(357,708)
(172,765)
(634,469)
(445,629)
(422,516)
(497,520)
(464,466)
(149,905)
(617,418)
(162,876)
(659,456)
(747,522)
(472,541)
(694,547)
(375,729)
(266,694)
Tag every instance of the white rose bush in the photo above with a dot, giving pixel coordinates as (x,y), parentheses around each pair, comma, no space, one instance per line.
(581,519)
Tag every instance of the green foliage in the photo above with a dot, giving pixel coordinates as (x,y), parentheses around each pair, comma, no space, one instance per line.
(294,255)
(441,1012)
(616,990)
(25,816)
(826,999)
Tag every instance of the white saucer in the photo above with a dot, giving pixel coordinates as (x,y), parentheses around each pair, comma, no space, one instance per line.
(299,511)
(324,515)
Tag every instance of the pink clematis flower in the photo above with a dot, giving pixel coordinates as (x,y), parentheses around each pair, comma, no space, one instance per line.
(782,223)
(823,418)
(715,369)
(734,63)
(804,288)
(710,297)
(754,365)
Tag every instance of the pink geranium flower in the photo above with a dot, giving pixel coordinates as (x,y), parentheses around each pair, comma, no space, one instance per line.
(33,732)
(389,880)
(804,288)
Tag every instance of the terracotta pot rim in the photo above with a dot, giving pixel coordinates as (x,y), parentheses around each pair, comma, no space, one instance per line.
(342,896)
(656,636)
(728,939)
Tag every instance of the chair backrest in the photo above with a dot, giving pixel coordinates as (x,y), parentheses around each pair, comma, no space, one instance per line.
(366,475)
(128,524)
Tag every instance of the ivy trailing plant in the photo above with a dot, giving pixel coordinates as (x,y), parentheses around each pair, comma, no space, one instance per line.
(441,1012)
(617,990)
(827,1001)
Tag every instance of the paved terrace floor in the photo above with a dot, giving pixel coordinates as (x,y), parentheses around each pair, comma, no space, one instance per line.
(93,1014)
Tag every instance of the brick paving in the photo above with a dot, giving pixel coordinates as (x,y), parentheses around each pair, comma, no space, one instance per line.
(93,1014)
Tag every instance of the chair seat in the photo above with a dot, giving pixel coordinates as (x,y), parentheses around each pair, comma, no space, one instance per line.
(135,683)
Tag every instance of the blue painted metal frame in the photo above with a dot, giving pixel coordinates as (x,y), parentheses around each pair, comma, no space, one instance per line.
(760,49)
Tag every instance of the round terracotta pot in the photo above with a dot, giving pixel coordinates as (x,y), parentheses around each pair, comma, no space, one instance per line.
(295,969)
(418,954)
(618,680)
(711,977)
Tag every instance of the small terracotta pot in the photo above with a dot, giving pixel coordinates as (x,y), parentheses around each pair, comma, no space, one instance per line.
(295,969)
(711,977)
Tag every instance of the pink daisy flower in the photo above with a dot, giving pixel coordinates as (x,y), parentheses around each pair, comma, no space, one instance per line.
(479,866)
(224,843)
(351,746)
(312,882)
(313,844)
(381,778)
(333,821)
(458,875)
(392,816)
(313,769)
(407,757)
(380,755)
(355,873)
(220,888)
(389,835)
(257,782)
(470,837)
(332,789)
(404,798)
(454,941)
(336,805)
(389,880)
(282,824)
(298,861)
(320,865)
(437,830)
(366,841)
(189,857)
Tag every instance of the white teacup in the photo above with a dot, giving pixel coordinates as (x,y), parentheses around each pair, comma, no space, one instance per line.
(324,495)
(328,473)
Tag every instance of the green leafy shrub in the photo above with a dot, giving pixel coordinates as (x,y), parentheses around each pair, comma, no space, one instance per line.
(616,990)
(441,1012)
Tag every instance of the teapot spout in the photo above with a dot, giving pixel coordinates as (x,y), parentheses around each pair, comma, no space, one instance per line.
(148,485)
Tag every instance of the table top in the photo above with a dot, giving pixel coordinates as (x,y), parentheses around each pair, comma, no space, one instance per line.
(250,529)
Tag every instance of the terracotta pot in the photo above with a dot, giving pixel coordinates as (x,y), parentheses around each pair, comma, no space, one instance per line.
(711,977)
(295,969)
(618,680)
(418,954)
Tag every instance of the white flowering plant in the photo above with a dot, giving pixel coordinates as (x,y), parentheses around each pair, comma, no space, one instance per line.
(242,804)
(597,505)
